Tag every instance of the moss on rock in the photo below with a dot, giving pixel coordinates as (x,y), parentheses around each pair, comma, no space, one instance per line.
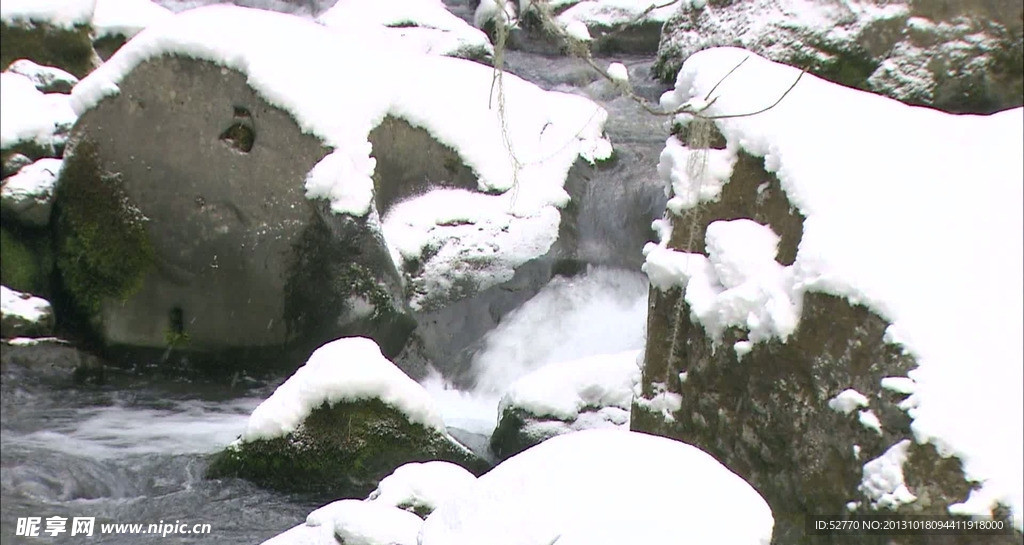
(103,249)
(341,450)
(26,261)
(67,49)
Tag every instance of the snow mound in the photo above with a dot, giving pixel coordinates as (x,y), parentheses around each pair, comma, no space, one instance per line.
(937,251)
(425,24)
(59,13)
(27,115)
(564,390)
(422,487)
(347,369)
(612,13)
(28,195)
(25,307)
(353,522)
(604,487)
(339,86)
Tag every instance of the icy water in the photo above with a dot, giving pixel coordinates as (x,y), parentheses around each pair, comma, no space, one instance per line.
(134,450)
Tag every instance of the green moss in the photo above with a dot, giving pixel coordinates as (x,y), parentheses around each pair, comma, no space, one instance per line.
(69,49)
(103,249)
(342,450)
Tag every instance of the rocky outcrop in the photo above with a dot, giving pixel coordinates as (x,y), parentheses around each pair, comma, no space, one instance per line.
(769,356)
(954,56)
(340,424)
(341,450)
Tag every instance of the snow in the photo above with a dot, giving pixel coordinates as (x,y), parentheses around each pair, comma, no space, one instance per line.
(426,23)
(455,237)
(739,283)
(618,72)
(900,385)
(349,369)
(358,522)
(494,10)
(869,420)
(848,401)
(29,193)
(882,479)
(23,305)
(59,13)
(125,17)
(564,390)
(663,401)
(577,30)
(354,522)
(340,98)
(685,186)
(43,77)
(940,256)
(611,13)
(27,115)
(422,486)
(604,487)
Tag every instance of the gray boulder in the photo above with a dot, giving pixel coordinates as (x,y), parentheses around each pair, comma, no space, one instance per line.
(954,56)
(27,197)
(208,241)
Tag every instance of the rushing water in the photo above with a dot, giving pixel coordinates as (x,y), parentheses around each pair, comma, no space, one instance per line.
(135,449)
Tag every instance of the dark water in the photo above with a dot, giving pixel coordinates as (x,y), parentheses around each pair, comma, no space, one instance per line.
(135,449)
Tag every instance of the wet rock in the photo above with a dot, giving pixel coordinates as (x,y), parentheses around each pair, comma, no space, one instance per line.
(955,56)
(50,358)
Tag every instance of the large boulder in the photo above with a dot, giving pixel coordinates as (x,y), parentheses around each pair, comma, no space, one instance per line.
(955,56)
(341,423)
(559,398)
(242,167)
(50,33)
(807,329)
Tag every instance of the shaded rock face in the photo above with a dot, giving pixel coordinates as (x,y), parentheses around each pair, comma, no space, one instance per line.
(766,416)
(340,451)
(207,179)
(956,56)
(68,49)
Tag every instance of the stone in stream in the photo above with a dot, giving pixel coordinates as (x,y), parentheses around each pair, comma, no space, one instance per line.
(339,425)
(196,213)
(22,315)
(964,57)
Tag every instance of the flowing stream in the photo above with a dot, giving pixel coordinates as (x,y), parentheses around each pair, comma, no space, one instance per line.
(135,449)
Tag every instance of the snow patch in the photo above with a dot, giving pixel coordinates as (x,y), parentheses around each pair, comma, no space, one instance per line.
(422,486)
(848,401)
(882,479)
(59,13)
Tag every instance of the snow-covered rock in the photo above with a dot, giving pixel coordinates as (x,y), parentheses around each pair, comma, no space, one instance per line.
(318,136)
(22,315)
(32,123)
(421,487)
(46,78)
(955,56)
(342,422)
(353,522)
(116,21)
(27,197)
(837,324)
(49,32)
(559,398)
(423,25)
(601,487)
